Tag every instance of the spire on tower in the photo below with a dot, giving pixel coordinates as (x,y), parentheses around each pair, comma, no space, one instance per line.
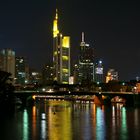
(83,37)
(55,25)
(56,16)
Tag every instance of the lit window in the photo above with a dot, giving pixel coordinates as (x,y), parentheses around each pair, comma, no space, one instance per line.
(65,70)
(65,57)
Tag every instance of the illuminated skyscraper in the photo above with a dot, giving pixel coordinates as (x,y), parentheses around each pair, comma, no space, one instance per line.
(99,72)
(35,77)
(111,75)
(47,75)
(21,71)
(7,61)
(86,65)
(61,54)
(76,73)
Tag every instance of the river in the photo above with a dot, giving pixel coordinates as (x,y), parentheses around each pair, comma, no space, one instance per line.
(63,120)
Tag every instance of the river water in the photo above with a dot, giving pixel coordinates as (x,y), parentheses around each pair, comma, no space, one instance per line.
(63,120)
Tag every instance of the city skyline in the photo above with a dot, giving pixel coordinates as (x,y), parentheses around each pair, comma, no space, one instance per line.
(111,28)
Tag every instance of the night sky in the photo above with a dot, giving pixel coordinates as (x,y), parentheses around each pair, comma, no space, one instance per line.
(111,27)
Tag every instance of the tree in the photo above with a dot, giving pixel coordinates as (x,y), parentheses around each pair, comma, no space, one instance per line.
(112,86)
(6,87)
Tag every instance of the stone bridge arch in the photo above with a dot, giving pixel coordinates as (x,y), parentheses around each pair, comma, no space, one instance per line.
(128,99)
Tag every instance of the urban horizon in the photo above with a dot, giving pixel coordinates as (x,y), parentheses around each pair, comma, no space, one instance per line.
(112,63)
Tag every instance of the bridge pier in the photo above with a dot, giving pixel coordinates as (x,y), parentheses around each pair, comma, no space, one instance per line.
(129,100)
(107,100)
(132,100)
(136,99)
(26,101)
(98,99)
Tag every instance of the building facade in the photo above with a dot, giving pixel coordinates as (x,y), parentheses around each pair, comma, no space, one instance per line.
(7,61)
(76,73)
(86,62)
(99,73)
(35,77)
(61,55)
(47,75)
(111,75)
(21,73)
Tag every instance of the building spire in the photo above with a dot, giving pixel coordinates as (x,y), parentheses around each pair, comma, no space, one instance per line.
(56,16)
(55,25)
(83,37)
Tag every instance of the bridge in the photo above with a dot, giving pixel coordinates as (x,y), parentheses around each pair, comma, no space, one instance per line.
(129,98)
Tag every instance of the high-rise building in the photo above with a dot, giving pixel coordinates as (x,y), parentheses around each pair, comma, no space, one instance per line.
(76,73)
(47,75)
(7,61)
(20,71)
(111,75)
(86,62)
(35,77)
(61,54)
(99,72)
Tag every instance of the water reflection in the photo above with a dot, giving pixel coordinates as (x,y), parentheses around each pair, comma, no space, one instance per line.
(61,120)
(43,129)
(87,130)
(124,125)
(34,121)
(25,125)
(113,122)
(100,124)
(59,123)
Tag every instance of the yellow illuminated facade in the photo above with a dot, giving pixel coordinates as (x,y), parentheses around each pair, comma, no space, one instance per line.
(65,57)
(55,26)
(66,41)
(61,54)
(65,70)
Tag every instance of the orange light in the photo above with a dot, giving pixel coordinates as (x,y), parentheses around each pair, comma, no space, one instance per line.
(34,97)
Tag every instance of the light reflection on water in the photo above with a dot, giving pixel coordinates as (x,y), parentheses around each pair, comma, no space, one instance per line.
(124,124)
(34,120)
(62,120)
(59,122)
(43,129)
(25,125)
(100,124)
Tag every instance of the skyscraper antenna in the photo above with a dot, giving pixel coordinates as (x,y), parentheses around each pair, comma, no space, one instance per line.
(56,17)
(82,36)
